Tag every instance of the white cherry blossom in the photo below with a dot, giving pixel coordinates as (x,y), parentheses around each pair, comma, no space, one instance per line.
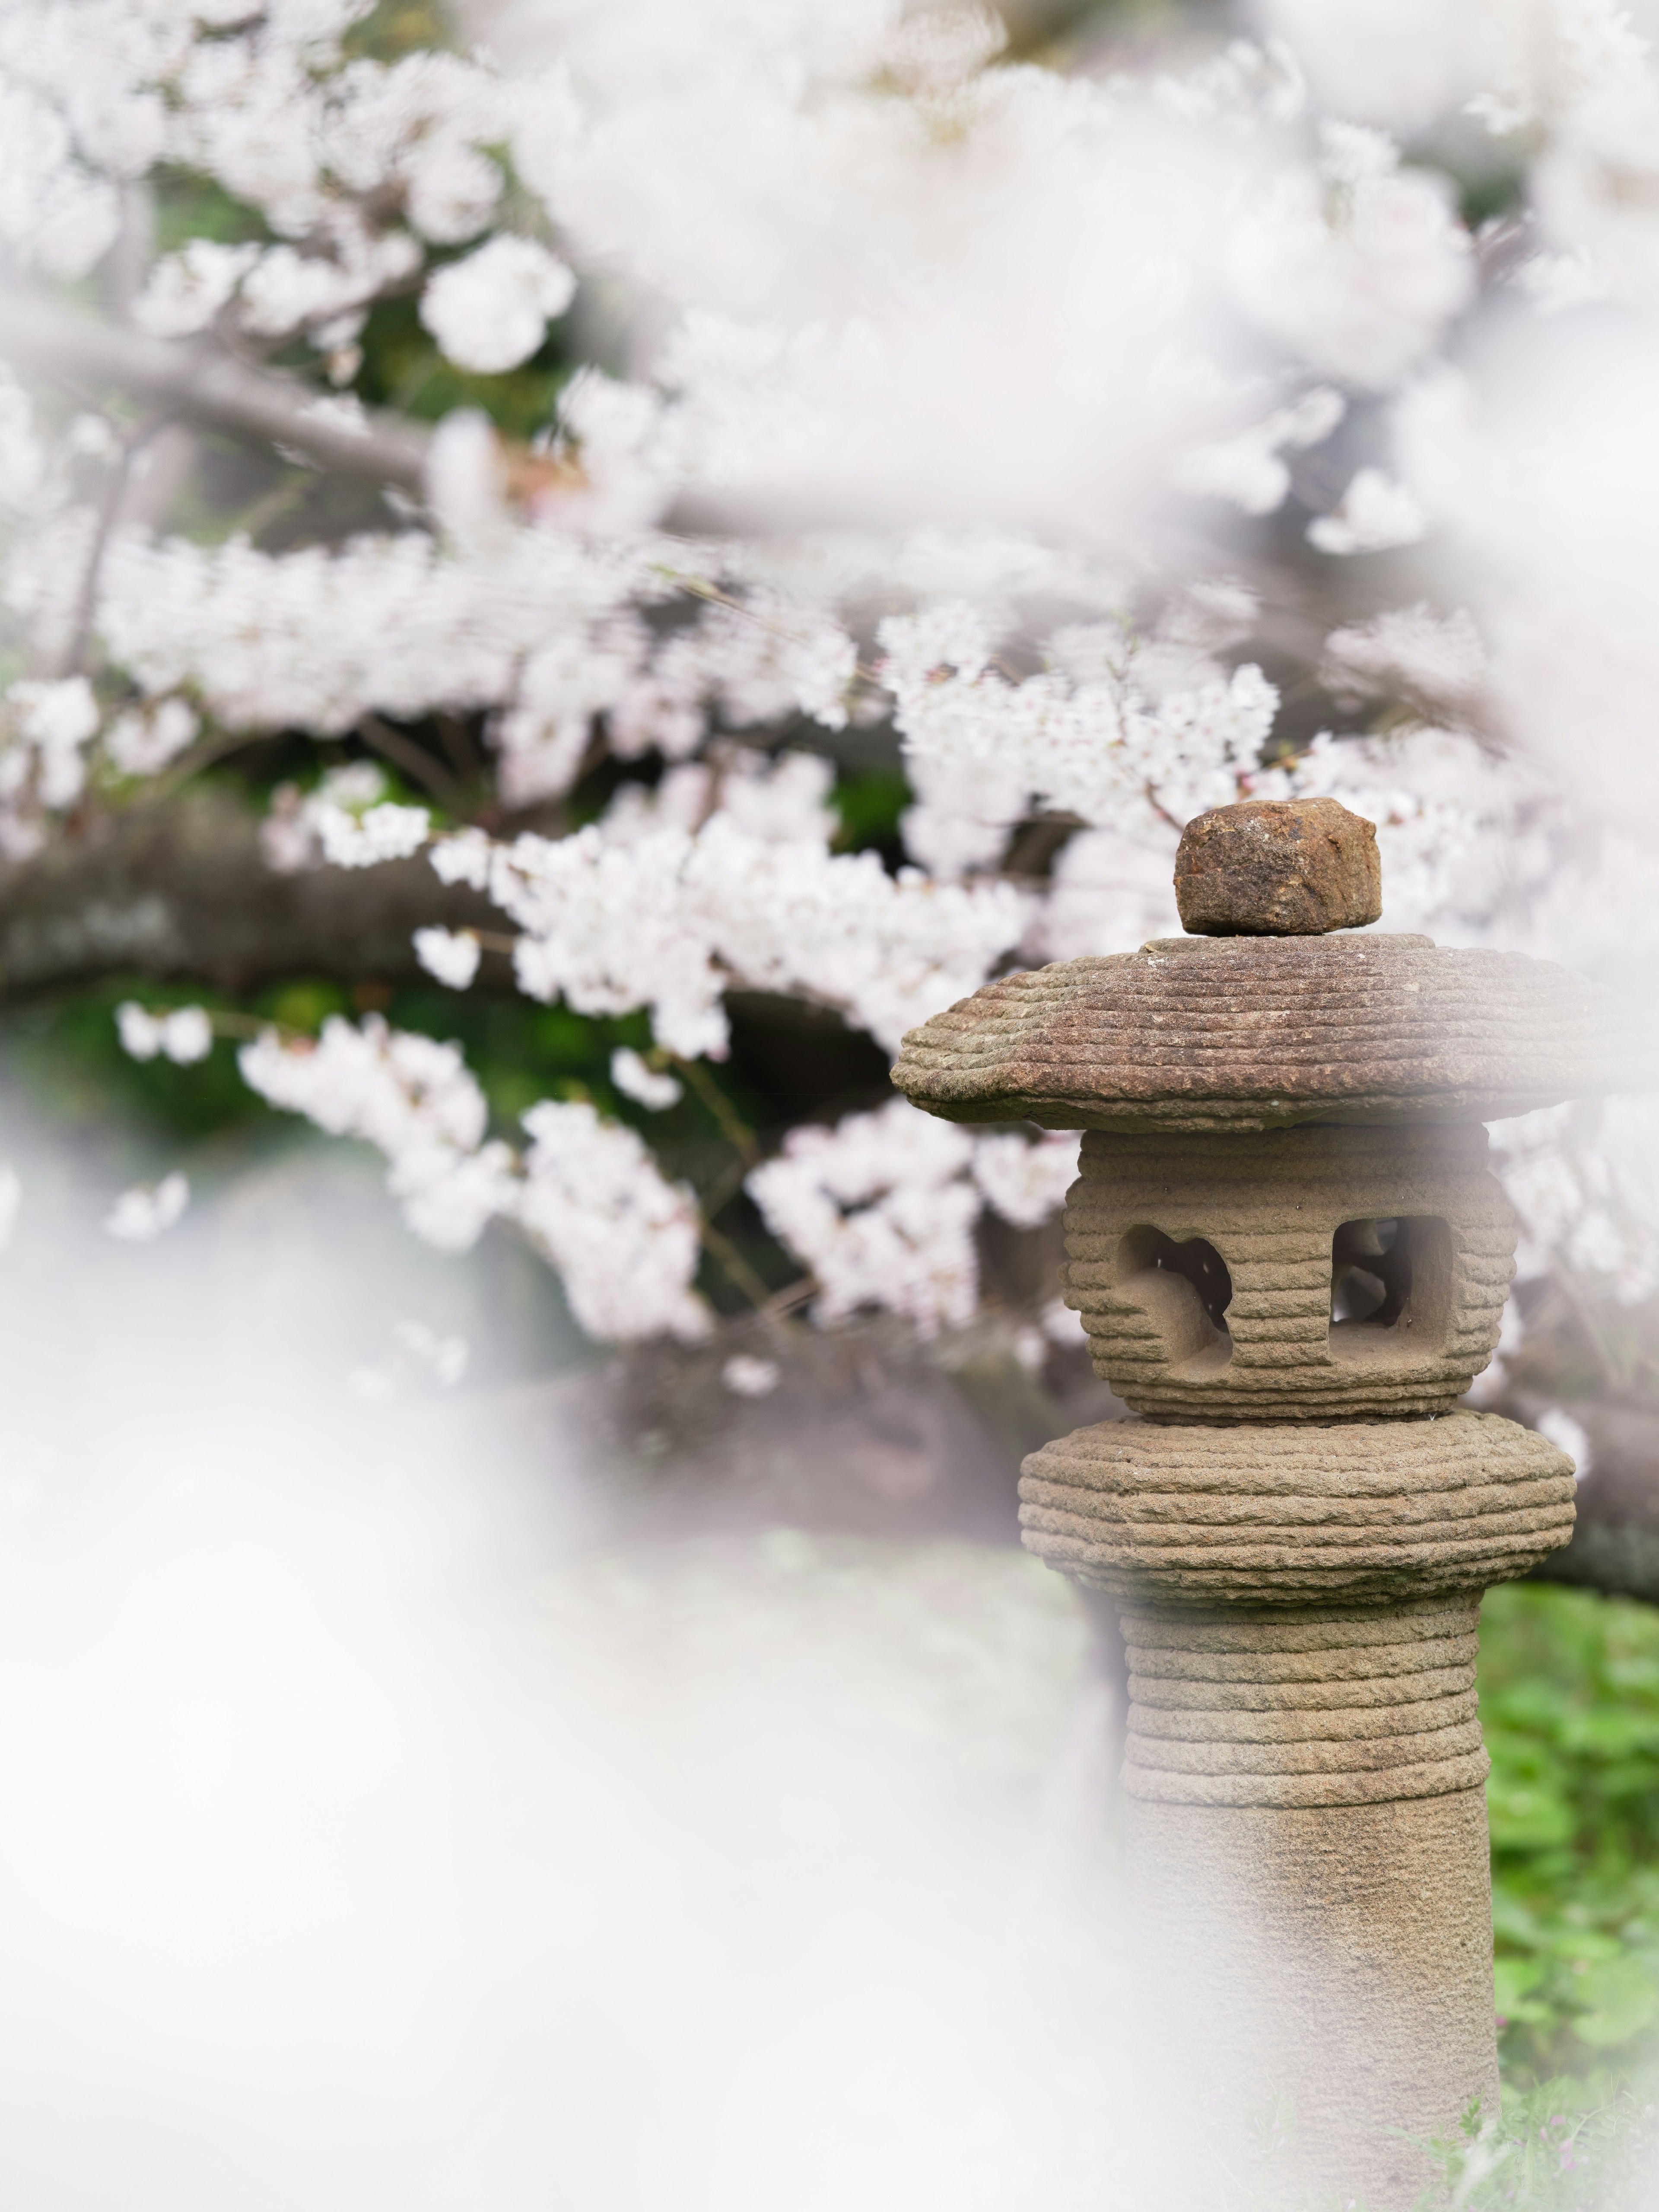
(1373,516)
(747,1376)
(927,377)
(646,1085)
(624,1238)
(450,955)
(144,1213)
(184,1034)
(489,311)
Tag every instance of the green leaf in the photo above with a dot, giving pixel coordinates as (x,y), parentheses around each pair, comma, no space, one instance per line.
(1623,1996)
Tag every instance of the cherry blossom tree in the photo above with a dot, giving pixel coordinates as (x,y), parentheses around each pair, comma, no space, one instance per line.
(489,497)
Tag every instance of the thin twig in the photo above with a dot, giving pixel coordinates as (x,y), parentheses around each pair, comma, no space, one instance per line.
(1570,1288)
(73,659)
(736,1131)
(1611,1371)
(462,757)
(203,382)
(253,1025)
(724,1188)
(414,759)
(1160,810)
(271,506)
(723,1250)
(211,748)
(715,596)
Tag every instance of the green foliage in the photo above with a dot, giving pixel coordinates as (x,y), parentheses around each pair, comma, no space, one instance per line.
(188,205)
(1569,1703)
(402,368)
(1548,2152)
(69,1058)
(1497,190)
(67,1055)
(396,27)
(869,802)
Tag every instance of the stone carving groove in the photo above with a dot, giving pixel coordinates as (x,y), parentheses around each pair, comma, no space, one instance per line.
(1271,1210)
(1298,1527)
(1267,1516)
(1315,1708)
(1256,1033)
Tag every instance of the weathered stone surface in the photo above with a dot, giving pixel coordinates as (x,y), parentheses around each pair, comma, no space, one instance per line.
(1269,1207)
(1334,1961)
(1302,1707)
(1242,1034)
(1300,1559)
(1278,868)
(1286,1517)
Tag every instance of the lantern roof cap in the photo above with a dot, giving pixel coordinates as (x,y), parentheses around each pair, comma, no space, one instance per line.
(1259,1032)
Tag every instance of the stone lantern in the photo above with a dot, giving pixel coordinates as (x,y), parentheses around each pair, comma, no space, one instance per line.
(1291,1258)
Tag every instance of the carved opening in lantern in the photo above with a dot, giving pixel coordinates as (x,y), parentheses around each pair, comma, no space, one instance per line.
(1184,1290)
(1390,1288)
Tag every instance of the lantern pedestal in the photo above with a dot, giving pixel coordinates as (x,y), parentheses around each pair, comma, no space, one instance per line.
(1291,1260)
(1322,1970)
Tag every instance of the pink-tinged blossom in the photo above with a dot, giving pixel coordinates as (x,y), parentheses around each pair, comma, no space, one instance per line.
(811,222)
(412,1097)
(1433,657)
(491,311)
(418,126)
(1094,745)
(55,213)
(882,1212)
(964,812)
(144,741)
(1374,516)
(1357,265)
(287,290)
(669,919)
(1025,1183)
(646,1086)
(746,1377)
(623,1239)
(1110,892)
(186,291)
(398,1089)
(385,832)
(54,720)
(1249,469)
(450,955)
(463,857)
(450,1194)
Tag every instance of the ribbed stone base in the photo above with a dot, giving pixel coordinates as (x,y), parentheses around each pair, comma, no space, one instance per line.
(1308,1883)
(1303,1706)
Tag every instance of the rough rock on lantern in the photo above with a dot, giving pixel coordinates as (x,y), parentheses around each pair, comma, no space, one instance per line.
(1291,1260)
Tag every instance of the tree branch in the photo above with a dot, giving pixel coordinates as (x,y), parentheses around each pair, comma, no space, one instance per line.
(181,890)
(201,381)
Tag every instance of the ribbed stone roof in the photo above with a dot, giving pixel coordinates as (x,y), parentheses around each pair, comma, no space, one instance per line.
(1245,1033)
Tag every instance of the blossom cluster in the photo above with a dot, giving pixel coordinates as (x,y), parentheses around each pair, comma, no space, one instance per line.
(672,920)
(585,1190)
(1070,434)
(881,1208)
